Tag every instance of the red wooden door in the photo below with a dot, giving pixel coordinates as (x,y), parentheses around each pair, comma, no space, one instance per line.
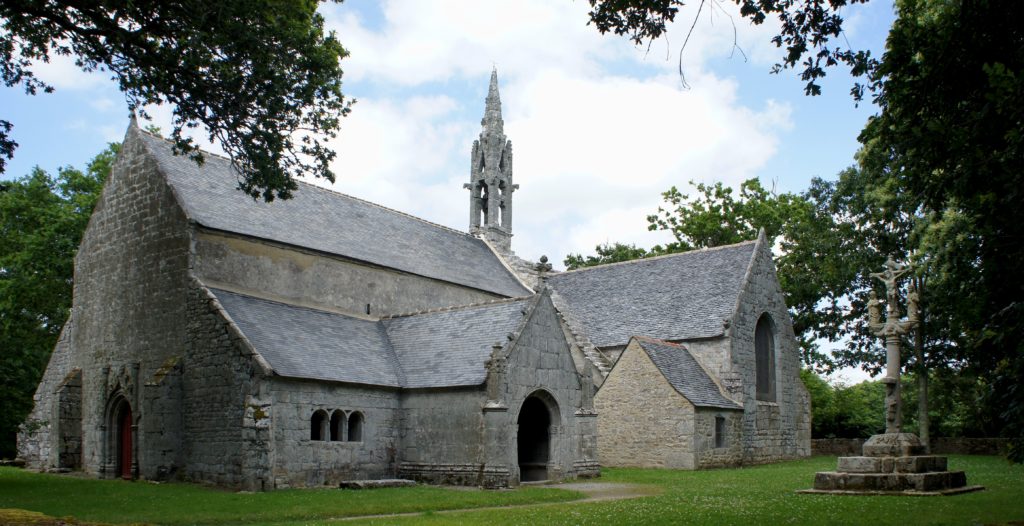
(126,444)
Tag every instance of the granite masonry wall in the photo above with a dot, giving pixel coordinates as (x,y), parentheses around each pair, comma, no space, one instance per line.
(226,419)
(301,461)
(302,277)
(644,421)
(772,430)
(38,438)
(708,455)
(129,306)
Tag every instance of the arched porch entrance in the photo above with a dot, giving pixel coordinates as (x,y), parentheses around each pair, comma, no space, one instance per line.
(537,418)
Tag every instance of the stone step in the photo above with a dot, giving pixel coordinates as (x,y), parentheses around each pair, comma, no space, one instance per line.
(910,464)
(889,482)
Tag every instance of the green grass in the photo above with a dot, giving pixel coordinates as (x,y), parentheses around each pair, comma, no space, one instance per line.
(116,501)
(762,495)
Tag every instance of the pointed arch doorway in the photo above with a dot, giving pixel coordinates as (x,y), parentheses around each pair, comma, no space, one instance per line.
(120,438)
(538,417)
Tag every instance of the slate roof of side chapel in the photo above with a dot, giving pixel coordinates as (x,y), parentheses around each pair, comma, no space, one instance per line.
(331,222)
(676,297)
(443,348)
(685,374)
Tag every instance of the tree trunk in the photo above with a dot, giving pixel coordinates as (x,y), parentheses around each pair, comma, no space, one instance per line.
(922,376)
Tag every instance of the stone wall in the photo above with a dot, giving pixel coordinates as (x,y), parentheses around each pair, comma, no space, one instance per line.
(707,454)
(301,461)
(129,306)
(226,416)
(779,429)
(303,277)
(644,421)
(38,444)
(444,438)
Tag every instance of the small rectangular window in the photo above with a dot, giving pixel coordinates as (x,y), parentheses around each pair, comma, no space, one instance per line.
(719,431)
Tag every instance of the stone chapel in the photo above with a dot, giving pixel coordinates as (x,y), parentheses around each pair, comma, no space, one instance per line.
(252,345)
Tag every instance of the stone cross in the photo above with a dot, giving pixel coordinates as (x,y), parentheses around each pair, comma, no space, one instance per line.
(891,329)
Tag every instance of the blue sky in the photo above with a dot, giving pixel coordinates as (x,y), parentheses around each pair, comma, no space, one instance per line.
(599,127)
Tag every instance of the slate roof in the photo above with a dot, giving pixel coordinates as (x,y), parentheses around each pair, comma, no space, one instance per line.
(331,222)
(685,374)
(446,348)
(676,297)
(449,347)
(301,342)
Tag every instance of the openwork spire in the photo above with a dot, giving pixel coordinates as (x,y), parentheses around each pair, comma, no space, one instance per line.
(490,176)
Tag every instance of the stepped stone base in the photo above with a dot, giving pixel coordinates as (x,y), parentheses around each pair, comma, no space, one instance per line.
(893,464)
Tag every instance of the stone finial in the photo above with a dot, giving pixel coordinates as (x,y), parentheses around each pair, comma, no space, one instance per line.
(543,266)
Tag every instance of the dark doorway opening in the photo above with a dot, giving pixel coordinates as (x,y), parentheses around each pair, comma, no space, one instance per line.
(124,441)
(534,440)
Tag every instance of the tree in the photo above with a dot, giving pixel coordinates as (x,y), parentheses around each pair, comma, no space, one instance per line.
(262,77)
(949,134)
(807,32)
(42,219)
(607,253)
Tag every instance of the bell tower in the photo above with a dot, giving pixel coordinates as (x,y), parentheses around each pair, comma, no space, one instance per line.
(490,176)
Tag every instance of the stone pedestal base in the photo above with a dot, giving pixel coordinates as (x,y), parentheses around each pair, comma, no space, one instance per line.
(893,464)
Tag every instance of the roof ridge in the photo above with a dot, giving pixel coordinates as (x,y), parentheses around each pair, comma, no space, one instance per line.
(663,256)
(457,307)
(325,189)
(202,151)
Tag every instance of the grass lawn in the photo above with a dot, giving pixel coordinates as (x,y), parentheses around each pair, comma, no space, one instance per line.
(758,495)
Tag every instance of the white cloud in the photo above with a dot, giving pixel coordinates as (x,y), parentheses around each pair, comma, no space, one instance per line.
(593,150)
(61,72)
(434,41)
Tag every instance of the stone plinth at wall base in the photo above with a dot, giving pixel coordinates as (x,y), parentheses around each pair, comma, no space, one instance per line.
(893,464)
(373,484)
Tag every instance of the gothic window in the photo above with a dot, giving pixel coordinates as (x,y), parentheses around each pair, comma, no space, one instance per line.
(719,431)
(355,427)
(318,425)
(337,425)
(764,357)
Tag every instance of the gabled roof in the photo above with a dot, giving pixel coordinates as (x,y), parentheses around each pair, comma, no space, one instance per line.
(442,348)
(327,221)
(675,297)
(685,374)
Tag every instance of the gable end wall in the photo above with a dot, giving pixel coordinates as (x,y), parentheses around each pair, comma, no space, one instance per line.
(644,421)
(778,430)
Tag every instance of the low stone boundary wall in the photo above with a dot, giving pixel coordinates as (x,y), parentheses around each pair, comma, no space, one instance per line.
(940,446)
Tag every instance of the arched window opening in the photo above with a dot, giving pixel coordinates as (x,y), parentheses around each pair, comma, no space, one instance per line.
(484,198)
(764,357)
(337,425)
(318,425)
(355,427)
